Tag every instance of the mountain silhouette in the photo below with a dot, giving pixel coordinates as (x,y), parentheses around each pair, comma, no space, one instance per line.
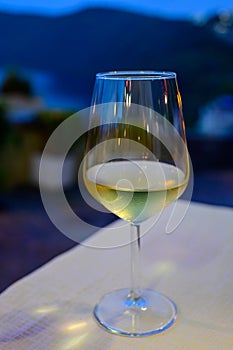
(75,47)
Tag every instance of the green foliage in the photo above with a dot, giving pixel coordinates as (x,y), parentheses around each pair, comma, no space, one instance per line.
(50,119)
(5,128)
(15,84)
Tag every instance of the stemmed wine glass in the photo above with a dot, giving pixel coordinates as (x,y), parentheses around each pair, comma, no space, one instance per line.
(136,164)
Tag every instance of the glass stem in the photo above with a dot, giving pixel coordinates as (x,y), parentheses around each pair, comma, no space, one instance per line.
(135,244)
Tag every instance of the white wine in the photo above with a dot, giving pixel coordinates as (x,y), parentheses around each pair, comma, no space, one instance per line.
(135,190)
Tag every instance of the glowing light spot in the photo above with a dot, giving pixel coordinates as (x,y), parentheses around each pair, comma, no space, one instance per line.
(163,267)
(74,326)
(75,341)
(170,183)
(128,100)
(46,310)
(143,308)
(166,266)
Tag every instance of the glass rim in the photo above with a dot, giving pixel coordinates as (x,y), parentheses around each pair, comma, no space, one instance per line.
(136,75)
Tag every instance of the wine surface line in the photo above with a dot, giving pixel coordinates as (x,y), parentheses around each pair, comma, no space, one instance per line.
(135,190)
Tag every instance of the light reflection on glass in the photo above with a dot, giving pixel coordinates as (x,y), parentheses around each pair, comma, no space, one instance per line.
(179,100)
(115,109)
(128,89)
(128,100)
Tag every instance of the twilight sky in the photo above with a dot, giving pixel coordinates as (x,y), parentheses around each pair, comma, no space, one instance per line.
(167,8)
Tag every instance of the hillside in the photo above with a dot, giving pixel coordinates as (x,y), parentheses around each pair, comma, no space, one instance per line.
(75,47)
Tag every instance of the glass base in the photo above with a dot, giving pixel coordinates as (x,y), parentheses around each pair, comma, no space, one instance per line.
(150,314)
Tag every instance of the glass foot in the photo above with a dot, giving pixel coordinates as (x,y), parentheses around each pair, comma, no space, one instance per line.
(150,314)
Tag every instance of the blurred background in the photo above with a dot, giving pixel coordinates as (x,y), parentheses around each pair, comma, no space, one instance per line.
(49,55)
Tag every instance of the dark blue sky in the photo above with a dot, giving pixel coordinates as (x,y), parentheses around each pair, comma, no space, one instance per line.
(170,8)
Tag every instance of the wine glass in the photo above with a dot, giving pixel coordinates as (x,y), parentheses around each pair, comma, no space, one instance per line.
(136,164)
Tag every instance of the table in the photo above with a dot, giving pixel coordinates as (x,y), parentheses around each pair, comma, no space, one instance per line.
(52,307)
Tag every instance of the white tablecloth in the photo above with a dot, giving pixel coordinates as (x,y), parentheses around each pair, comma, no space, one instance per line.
(52,307)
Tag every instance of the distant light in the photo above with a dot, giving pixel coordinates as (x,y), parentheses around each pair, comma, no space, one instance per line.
(225,16)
